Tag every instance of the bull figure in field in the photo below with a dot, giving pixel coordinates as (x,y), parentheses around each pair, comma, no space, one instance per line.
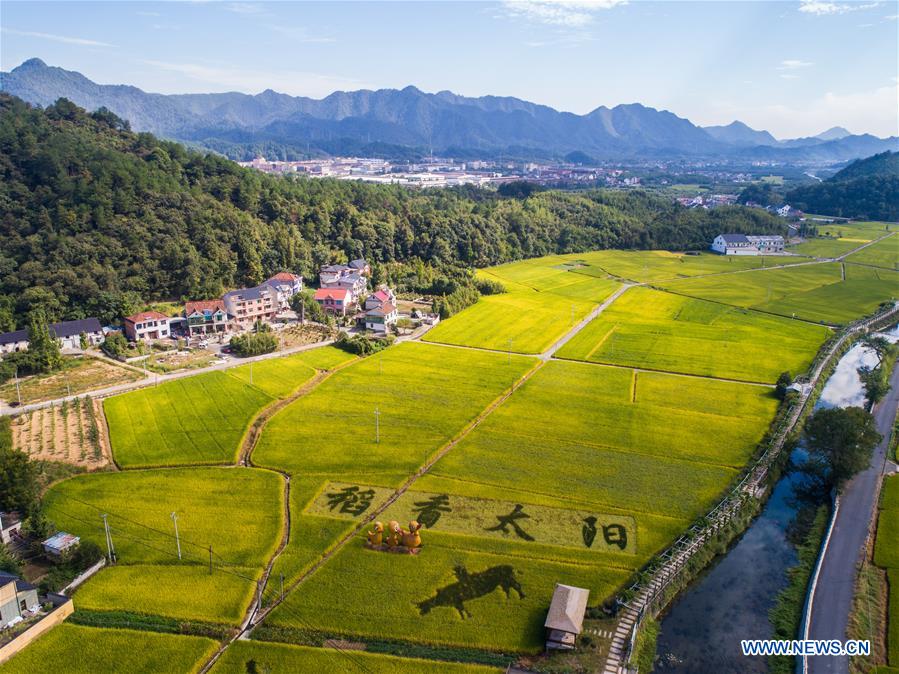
(472,586)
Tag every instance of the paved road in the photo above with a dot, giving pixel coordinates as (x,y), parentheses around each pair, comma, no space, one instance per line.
(832,600)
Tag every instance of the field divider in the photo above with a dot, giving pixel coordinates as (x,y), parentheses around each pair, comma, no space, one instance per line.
(254,429)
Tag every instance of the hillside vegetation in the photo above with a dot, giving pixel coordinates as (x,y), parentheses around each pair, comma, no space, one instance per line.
(97,219)
(867,188)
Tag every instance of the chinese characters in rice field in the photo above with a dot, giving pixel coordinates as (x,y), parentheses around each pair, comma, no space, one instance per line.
(525,523)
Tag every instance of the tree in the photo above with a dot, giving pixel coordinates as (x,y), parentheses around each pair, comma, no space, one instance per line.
(115,344)
(43,348)
(840,442)
(307,308)
(783,383)
(18,482)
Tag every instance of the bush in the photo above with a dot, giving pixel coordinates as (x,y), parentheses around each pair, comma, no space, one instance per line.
(115,345)
(254,343)
(362,345)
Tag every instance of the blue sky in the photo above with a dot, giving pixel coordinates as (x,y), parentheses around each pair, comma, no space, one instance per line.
(794,68)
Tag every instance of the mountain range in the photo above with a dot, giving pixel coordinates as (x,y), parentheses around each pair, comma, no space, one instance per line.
(395,122)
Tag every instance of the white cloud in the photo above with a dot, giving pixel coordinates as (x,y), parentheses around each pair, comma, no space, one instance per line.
(83,42)
(565,13)
(245,8)
(891,17)
(825,7)
(793,64)
(224,78)
(300,34)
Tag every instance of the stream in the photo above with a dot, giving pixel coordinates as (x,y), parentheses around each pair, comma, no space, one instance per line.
(730,601)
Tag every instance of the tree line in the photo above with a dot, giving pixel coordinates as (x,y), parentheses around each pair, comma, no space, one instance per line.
(98,220)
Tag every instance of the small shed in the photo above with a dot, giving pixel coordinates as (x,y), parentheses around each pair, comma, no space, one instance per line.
(60,543)
(566,616)
(10,523)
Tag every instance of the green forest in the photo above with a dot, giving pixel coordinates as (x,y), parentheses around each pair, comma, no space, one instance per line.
(98,220)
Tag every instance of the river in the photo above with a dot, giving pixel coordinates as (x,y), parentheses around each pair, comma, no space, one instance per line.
(730,601)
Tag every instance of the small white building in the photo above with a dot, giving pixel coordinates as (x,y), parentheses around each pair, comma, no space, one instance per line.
(147,325)
(10,523)
(381,318)
(67,333)
(60,543)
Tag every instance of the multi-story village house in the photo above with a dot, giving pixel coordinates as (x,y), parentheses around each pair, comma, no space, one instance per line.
(248,305)
(206,317)
(285,285)
(147,325)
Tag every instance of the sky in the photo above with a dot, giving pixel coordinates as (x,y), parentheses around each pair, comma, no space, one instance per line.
(792,68)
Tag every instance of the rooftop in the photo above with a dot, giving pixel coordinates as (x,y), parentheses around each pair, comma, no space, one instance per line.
(59,330)
(61,541)
(566,611)
(146,316)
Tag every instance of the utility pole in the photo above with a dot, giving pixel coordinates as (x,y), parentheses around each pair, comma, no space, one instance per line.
(110,549)
(210,560)
(18,391)
(177,538)
(377,425)
(68,388)
(282,586)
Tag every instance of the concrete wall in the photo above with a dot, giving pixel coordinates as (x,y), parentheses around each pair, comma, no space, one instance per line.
(36,630)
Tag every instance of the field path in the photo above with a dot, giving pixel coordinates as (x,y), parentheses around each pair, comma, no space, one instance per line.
(551,351)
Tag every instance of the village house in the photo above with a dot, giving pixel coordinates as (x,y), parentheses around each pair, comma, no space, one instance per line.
(60,544)
(360,266)
(67,333)
(147,325)
(248,305)
(565,618)
(285,285)
(10,524)
(379,297)
(381,318)
(334,300)
(741,244)
(17,597)
(206,317)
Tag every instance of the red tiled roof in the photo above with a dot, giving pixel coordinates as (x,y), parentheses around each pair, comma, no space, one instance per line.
(331,293)
(203,305)
(284,276)
(384,309)
(381,295)
(145,316)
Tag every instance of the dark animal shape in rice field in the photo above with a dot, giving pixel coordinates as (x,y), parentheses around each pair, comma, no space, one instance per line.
(472,586)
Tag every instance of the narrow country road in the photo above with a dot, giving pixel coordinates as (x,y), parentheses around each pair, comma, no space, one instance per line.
(832,598)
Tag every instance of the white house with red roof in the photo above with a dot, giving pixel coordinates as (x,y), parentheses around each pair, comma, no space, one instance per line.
(147,325)
(381,318)
(285,285)
(335,300)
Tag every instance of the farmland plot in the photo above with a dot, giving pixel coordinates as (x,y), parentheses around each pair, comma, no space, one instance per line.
(886,554)
(811,292)
(544,300)
(881,254)
(425,596)
(201,419)
(656,330)
(187,421)
(282,657)
(423,394)
(238,512)
(87,650)
(838,239)
(655,265)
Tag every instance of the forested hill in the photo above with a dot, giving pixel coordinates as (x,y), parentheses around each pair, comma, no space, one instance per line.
(867,188)
(97,220)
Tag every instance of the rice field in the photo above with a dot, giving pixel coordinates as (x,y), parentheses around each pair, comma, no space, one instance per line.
(657,265)
(815,292)
(423,395)
(202,419)
(655,330)
(838,239)
(238,513)
(886,554)
(881,254)
(89,650)
(274,657)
